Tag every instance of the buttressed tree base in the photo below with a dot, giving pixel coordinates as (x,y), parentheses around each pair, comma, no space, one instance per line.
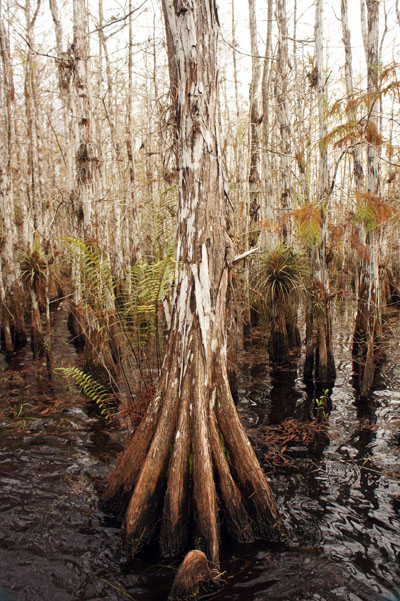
(189,470)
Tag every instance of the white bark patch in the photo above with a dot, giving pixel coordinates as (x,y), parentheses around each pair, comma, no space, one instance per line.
(207,137)
(167,313)
(202,294)
(213,398)
(182,303)
(197,153)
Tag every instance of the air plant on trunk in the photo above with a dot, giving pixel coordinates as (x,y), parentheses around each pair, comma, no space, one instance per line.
(278,276)
(33,268)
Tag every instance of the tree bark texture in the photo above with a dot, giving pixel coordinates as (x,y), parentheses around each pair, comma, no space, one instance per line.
(325,371)
(190,460)
(266,124)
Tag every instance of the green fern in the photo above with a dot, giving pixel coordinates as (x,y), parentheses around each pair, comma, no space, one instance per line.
(96,274)
(155,282)
(373,212)
(130,308)
(308,221)
(161,214)
(90,388)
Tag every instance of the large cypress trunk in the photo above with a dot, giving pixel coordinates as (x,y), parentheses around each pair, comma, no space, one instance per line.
(190,456)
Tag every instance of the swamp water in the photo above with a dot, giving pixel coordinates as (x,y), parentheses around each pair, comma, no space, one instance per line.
(340,497)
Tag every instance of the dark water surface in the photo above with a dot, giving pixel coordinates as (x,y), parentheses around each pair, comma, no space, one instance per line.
(340,498)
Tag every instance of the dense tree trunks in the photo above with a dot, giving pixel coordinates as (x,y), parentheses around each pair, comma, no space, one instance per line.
(135,236)
(352,114)
(34,179)
(65,86)
(176,468)
(6,193)
(12,327)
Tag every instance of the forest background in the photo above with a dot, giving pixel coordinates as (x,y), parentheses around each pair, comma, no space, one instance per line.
(308,141)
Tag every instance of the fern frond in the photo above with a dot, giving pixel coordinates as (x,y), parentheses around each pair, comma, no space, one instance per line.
(308,220)
(161,213)
(96,274)
(343,135)
(373,212)
(89,387)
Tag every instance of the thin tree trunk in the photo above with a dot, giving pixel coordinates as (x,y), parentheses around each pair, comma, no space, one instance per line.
(255,129)
(356,151)
(369,302)
(10,329)
(326,371)
(84,131)
(135,234)
(266,90)
(34,185)
(283,116)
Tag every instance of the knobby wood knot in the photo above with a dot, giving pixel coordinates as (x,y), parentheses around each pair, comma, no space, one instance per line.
(182,6)
(193,578)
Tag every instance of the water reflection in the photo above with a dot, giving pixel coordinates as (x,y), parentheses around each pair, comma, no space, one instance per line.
(340,498)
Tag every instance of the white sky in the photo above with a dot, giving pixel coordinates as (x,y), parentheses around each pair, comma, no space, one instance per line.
(149,17)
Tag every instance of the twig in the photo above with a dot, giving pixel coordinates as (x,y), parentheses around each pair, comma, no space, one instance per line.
(245,254)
